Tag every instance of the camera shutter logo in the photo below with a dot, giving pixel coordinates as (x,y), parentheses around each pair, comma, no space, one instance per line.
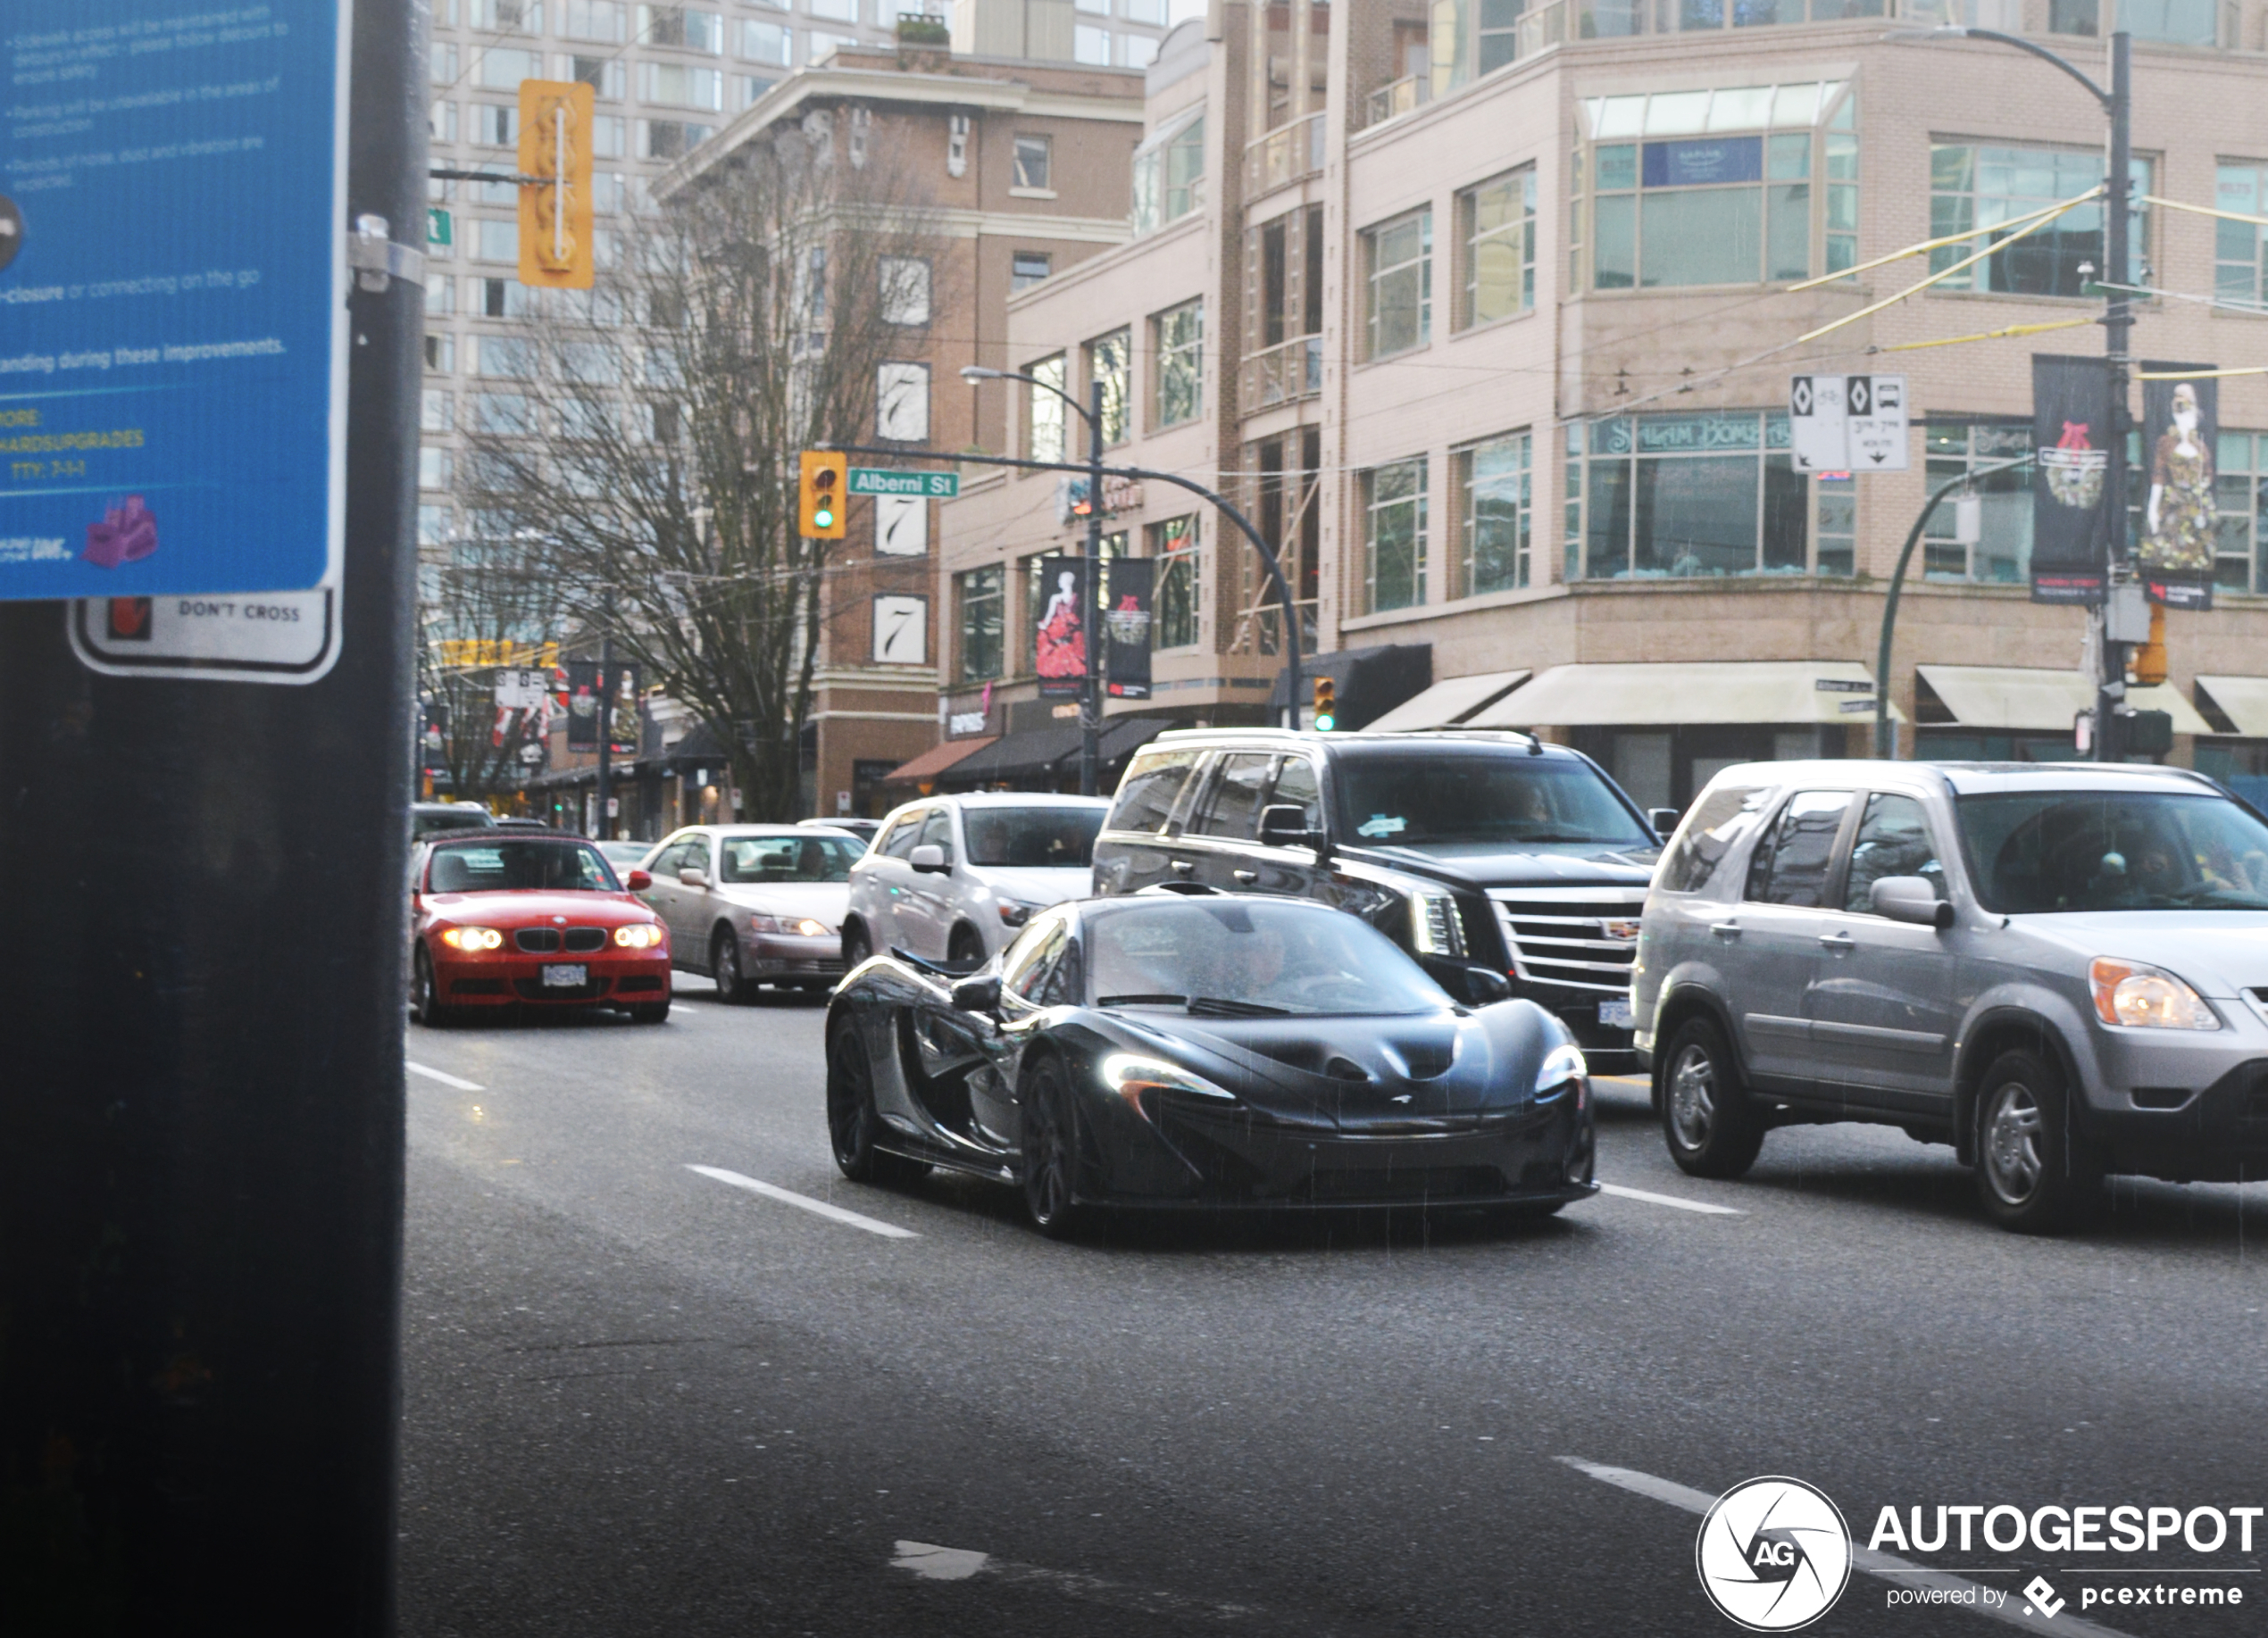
(1773,1554)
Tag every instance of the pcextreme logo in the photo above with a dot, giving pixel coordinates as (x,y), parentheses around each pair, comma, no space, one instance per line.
(1773,1554)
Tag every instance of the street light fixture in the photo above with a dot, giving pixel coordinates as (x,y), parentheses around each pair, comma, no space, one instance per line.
(2118,322)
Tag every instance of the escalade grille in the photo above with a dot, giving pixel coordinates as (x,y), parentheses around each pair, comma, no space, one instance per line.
(1583,938)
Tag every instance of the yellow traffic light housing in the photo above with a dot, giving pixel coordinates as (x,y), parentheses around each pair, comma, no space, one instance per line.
(1326,706)
(2148,664)
(826,482)
(555,233)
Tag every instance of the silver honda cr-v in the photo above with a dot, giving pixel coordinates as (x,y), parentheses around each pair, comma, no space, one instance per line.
(2060,969)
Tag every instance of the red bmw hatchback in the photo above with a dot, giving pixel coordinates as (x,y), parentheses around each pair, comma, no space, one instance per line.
(506,920)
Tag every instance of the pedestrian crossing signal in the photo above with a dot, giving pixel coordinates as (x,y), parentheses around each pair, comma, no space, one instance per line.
(555,233)
(820,497)
(1326,706)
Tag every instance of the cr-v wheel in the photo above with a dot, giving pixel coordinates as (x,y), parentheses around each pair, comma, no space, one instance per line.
(2035,1173)
(1713,1128)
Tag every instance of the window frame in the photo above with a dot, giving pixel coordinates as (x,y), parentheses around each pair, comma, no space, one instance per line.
(1117,379)
(1472,238)
(1462,463)
(1416,498)
(1044,145)
(1946,219)
(1770,450)
(1375,276)
(888,271)
(970,597)
(1176,359)
(1046,417)
(2254,290)
(1176,546)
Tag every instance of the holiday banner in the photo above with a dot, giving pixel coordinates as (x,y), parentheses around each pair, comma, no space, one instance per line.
(1126,626)
(2070,400)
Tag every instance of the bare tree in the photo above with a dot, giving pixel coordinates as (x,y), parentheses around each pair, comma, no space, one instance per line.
(488,609)
(654,447)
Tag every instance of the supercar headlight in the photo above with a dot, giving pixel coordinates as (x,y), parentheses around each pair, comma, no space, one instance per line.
(1434,927)
(1564,1063)
(472,938)
(2141,997)
(1130,1075)
(638,935)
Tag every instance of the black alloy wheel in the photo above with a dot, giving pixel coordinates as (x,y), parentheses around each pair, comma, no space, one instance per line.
(853,1122)
(724,967)
(2035,1173)
(856,946)
(425,993)
(1049,1152)
(1713,1128)
(965,948)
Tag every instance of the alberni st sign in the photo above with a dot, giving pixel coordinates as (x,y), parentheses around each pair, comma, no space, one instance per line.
(895,480)
(173,327)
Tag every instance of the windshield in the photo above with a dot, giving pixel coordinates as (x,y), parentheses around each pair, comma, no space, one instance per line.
(506,866)
(1039,838)
(1518,799)
(2047,851)
(1247,958)
(769,860)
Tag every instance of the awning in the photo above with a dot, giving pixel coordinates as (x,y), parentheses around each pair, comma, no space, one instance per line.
(1039,753)
(1757,691)
(2243,700)
(1448,703)
(936,759)
(2037,700)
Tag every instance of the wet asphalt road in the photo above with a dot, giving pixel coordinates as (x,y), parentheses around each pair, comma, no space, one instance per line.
(641,1401)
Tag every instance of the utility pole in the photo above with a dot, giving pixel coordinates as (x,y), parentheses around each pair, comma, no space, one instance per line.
(2118,324)
(606,722)
(1091,628)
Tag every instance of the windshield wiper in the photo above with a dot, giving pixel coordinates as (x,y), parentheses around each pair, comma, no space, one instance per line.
(1142,1001)
(1220,1007)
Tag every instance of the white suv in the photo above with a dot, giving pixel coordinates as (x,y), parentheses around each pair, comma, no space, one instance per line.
(951,880)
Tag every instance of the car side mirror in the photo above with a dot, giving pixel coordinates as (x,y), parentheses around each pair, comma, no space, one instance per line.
(693,876)
(1485,986)
(1284,824)
(977,995)
(1911,898)
(1663,820)
(636,881)
(930,861)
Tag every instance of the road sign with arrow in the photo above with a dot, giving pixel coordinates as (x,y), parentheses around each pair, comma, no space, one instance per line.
(1847,423)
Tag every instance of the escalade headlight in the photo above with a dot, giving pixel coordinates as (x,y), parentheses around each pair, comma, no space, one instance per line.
(2141,997)
(1435,928)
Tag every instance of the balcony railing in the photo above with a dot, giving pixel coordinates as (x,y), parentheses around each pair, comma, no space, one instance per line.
(1283,374)
(1284,156)
(1404,96)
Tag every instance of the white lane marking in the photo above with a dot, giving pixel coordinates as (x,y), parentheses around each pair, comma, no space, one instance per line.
(872,1225)
(1670,1200)
(934,1563)
(445,1079)
(1898,1572)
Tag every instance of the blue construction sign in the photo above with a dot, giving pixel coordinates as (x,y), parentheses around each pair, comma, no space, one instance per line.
(173,281)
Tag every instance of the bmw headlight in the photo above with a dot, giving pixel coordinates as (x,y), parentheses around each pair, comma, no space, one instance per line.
(472,938)
(2142,997)
(1564,1063)
(639,936)
(1130,1075)
(1434,927)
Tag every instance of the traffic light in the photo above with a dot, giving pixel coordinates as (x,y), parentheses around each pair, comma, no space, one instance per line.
(1326,706)
(826,478)
(555,237)
(2149,658)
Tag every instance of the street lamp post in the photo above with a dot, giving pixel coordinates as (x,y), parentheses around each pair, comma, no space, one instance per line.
(2118,324)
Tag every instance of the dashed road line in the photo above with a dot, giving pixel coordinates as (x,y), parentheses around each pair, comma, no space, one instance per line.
(789,1197)
(1889,1566)
(442,1075)
(931,1562)
(1653,1199)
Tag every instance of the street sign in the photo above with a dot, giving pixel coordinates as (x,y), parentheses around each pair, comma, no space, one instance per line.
(174,363)
(438,229)
(1847,423)
(225,637)
(895,480)
(522,690)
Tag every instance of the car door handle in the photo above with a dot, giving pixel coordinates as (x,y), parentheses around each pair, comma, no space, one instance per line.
(1185,864)
(1725,930)
(1838,942)
(1246,875)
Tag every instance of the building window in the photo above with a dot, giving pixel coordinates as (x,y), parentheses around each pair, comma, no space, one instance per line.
(511,357)
(1493,496)
(1091,47)
(767,43)
(507,16)
(1177,349)
(503,67)
(605,75)
(1835,537)
(671,138)
(685,87)
(1716,187)
(440,296)
(1043,430)
(440,352)
(1032,167)
(2238,264)
(1497,229)
(1398,265)
(1394,536)
(1168,176)
(902,403)
(1027,268)
(609,136)
(1173,544)
(1150,12)
(905,289)
(1099,8)
(499,298)
(1680,496)
(497,241)
(980,599)
(956,146)
(437,410)
(2003,553)
(1974,189)
(496,125)
(836,11)
(681,26)
(434,526)
(2177,22)
(1139,50)
(503,413)
(596,20)
(2240,556)
(432,467)
(441,124)
(1109,363)
(442,64)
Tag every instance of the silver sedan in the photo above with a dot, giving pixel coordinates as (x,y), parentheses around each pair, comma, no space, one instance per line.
(754,904)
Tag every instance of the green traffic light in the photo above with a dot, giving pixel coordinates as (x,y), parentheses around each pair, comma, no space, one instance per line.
(824,519)
(1325,722)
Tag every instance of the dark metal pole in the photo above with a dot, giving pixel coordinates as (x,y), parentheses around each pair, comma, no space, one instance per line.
(2118,323)
(1091,628)
(606,722)
(1885,730)
(201,1095)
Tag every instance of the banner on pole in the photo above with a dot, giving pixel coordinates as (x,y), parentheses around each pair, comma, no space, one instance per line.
(2070,400)
(582,705)
(2181,433)
(1126,626)
(1059,639)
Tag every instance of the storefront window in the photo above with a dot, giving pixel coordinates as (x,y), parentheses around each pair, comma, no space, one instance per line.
(1684,496)
(2003,553)
(1974,189)
(1394,510)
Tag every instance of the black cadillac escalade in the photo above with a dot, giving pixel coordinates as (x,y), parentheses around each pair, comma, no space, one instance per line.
(1470,849)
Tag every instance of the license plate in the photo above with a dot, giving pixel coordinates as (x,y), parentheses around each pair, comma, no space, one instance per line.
(1615,1014)
(574,975)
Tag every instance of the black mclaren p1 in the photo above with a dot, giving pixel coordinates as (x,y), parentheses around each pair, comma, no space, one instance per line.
(1214,1050)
